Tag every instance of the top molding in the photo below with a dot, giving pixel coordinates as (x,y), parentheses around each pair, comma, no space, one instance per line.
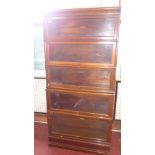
(85,11)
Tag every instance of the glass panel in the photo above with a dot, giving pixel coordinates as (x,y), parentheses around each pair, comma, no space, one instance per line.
(39,59)
(85,103)
(82,27)
(91,53)
(81,77)
(75,126)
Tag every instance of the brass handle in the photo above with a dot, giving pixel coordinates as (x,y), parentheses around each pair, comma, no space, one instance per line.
(82,118)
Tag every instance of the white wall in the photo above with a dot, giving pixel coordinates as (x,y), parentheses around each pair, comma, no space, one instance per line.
(138,77)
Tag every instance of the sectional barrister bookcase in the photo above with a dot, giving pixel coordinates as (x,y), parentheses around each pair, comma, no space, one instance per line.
(81,57)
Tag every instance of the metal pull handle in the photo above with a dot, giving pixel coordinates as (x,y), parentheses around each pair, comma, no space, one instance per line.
(82,118)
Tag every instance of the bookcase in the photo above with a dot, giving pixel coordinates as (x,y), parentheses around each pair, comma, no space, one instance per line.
(81,58)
